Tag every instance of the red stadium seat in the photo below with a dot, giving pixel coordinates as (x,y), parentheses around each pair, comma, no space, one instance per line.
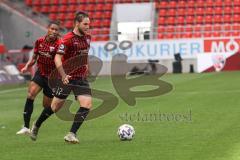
(162,4)
(227,2)
(197,35)
(54,9)
(108,7)
(180,28)
(28,2)
(198,28)
(218,10)
(190,3)
(187,35)
(227,19)
(109,1)
(89,7)
(227,34)
(190,11)
(62,16)
(169,29)
(181,12)
(236,18)
(216,34)
(209,3)
(189,20)
(207,34)
(188,28)
(72,8)
(180,20)
(217,19)
(70,16)
(235,33)
(36,2)
(236,26)
(63,2)
(161,29)
(182,4)
(208,19)
(106,23)
(72,1)
(99,7)
(162,12)
(170,20)
(52,16)
(200,11)
(209,11)
(96,24)
(45,9)
(36,8)
(169,36)
(161,20)
(227,27)
(69,24)
(227,10)
(172,4)
(236,10)
(171,12)
(46,2)
(219,3)
(236,2)
(217,27)
(208,28)
(200,3)
(91,1)
(63,8)
(55,2)
(107,14)
(160,36)
(98,15)
(199,19)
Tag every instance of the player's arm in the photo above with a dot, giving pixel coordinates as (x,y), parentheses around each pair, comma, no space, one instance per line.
(30,63)
(58,63)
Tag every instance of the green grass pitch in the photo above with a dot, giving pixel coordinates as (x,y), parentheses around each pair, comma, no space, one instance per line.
(200,121)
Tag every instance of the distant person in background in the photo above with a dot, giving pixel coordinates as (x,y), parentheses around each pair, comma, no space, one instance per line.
(44,52)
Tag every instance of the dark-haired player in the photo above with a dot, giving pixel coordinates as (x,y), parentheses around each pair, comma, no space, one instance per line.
(44,52)
(74,44)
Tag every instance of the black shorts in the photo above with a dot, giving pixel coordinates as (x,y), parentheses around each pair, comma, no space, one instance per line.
(43,82)
(79,87)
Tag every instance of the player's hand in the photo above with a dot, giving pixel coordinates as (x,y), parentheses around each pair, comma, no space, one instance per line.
(24,69)
(65,80)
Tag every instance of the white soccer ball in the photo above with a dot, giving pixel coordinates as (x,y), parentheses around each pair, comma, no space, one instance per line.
(126,132)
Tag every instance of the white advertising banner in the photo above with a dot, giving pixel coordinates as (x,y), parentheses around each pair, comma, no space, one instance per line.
(144,50)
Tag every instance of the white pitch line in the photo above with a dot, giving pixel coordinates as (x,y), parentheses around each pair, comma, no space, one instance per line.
(12,90)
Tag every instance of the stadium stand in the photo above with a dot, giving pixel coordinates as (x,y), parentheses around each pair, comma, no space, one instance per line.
(176,18)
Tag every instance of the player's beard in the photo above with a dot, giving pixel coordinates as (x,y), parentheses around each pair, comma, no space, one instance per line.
(81,31)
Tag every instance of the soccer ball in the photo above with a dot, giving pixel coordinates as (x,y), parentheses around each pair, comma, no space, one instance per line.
(126,132)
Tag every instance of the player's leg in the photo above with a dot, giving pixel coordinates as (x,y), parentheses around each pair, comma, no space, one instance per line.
(84,98)
(57,102)
(46,104)
(33,91)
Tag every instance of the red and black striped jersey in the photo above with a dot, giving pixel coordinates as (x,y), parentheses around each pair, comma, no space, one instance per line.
(75,54)
(46,52)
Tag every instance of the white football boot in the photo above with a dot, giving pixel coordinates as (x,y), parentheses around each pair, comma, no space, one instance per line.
(71,138)
(23,131)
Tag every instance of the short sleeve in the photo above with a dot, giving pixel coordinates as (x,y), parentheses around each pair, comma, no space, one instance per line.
(62,47)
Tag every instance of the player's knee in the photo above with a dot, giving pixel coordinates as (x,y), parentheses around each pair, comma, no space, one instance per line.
(87,104)
(55,107)
(31,95)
